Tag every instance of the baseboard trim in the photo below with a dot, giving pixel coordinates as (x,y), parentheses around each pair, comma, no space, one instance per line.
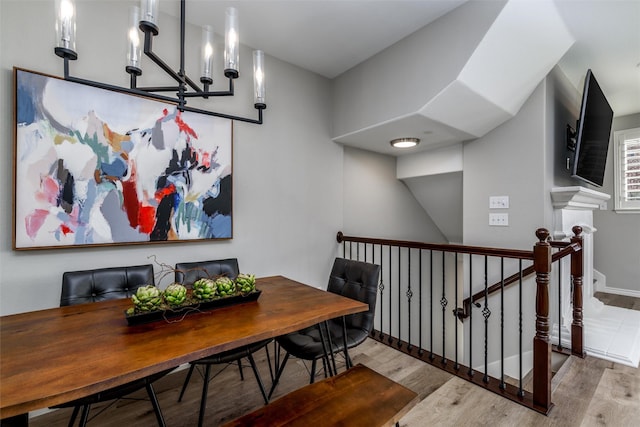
(619,291)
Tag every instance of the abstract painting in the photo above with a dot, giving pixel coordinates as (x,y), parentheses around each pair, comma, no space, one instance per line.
(101,167)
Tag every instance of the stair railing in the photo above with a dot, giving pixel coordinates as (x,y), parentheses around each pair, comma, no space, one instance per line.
(419,280)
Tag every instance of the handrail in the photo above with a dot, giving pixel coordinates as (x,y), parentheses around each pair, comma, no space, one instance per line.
(400,289)
(463,312)
(444,247)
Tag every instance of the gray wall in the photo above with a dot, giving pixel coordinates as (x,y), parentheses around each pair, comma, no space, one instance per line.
(508,161)
(377,204)
(287,206)
(617,242)
(290,197)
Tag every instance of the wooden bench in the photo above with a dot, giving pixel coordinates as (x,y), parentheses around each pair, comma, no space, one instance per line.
(356,397)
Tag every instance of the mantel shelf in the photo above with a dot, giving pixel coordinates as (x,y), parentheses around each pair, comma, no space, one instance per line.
(579,198)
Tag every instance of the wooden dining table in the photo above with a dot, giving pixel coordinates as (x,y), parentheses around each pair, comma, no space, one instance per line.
(53,356)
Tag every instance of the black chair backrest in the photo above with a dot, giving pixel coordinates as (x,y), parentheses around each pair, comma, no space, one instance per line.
(357,280)
(104,283)
(188,272)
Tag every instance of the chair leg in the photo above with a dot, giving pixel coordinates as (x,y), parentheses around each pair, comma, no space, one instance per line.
(203,399)
(278,374)
(240,368)
(186,381)
(154,403)
(333,359)
(266,349)
(326,348)
(344,343)
(312,375)
(258,379)
(85,415)
(74,415)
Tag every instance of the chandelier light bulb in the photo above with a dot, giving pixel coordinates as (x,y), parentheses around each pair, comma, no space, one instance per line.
(134,53)
(258,79)
(232,44)
(207,54)
(65,24)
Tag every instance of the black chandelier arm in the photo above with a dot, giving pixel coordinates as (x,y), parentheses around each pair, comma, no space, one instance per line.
(158,88)
(258,121)
(155,58)
(191,83)
(206,93)
(259,107)
(115,88)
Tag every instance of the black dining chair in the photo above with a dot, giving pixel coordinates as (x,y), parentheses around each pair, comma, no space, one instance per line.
(350,278)
(87,286)
(187,273)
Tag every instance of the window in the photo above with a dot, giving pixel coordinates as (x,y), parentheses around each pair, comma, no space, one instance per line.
(627,170)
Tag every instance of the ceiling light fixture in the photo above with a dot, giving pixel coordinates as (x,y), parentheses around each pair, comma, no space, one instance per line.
(404,142)
(186,88)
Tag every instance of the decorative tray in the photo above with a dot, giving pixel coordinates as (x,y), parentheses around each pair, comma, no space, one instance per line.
(190,308)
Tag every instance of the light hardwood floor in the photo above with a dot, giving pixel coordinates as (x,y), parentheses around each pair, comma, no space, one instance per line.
(588,392)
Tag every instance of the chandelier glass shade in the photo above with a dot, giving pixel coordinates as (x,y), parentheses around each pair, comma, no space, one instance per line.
(142,28)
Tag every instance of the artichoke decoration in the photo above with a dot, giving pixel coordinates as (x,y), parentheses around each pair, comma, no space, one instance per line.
(246,283)
(225,286)
(147,298)
(175,294)
(204,289)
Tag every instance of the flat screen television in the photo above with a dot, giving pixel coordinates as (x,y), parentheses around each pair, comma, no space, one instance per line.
(592,135)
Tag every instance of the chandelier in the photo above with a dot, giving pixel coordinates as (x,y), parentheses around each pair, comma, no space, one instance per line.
(144,18)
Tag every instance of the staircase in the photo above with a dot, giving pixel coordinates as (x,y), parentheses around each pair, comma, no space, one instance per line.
(486,337)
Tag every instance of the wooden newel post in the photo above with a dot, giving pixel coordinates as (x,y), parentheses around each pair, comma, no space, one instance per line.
(541,343)
(577,332)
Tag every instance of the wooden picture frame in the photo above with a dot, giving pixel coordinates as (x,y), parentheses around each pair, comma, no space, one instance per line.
(96,167)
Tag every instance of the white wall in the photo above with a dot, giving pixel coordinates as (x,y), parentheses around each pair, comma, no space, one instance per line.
(402,78)
(287,173)
(616,251)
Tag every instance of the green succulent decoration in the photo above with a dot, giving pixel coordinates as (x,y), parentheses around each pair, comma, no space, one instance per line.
(147,298)
(225,286)
(178,300)
(175,294)
(246,283)
(204,289)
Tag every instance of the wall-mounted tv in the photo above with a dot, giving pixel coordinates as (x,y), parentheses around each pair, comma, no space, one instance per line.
(591,140)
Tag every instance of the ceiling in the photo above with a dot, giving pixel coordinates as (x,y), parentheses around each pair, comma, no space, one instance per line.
(331,36)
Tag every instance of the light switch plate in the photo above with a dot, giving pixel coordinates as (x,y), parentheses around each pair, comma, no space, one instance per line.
(499,202)
(499,219)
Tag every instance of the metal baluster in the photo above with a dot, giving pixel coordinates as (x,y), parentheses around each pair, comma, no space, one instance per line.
(502,384)
(381,288)
(365,252)
(455,318)
(409,295)
(390,300)
(443,303)
(470,315)
(486,313)
(358,251)
(350,250)
(420,349)
(399,297)
(520,390)
(431,305)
